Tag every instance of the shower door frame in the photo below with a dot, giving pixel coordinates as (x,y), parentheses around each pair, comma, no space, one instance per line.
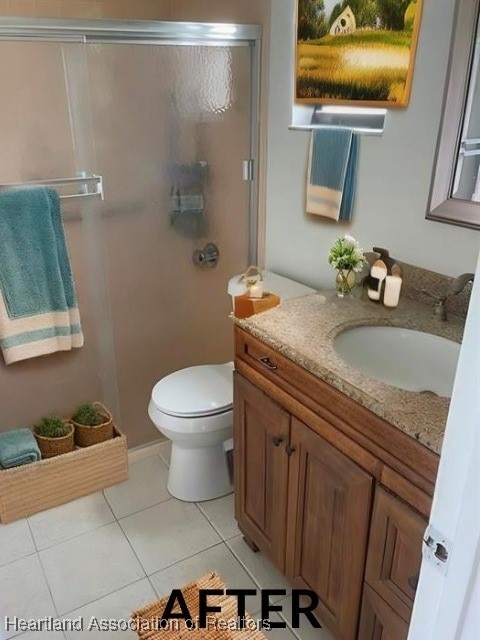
(163,33)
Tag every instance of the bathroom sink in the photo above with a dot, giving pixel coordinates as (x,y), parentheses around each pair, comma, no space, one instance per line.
(403,358)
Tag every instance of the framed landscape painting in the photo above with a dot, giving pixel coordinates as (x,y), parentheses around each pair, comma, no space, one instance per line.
(356,52)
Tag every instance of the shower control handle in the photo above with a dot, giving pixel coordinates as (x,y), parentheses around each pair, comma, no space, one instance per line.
(207,257)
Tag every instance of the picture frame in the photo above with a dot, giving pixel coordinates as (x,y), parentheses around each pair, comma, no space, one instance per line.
(356,52)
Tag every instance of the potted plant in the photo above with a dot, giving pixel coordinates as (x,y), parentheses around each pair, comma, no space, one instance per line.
(93,424)
(54,436)
(346,256)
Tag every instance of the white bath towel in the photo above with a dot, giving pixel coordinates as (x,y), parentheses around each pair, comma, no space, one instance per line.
(32,336)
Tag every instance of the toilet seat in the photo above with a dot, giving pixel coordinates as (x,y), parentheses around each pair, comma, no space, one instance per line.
(195,392)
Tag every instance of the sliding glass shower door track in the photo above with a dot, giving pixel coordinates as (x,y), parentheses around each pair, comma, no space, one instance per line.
(128,31)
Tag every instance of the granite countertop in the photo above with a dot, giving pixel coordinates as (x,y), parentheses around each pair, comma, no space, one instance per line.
(303,329)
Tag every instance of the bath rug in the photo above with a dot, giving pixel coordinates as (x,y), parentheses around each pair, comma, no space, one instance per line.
(147,626)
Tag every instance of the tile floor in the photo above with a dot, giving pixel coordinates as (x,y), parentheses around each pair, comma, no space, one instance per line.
(107,554)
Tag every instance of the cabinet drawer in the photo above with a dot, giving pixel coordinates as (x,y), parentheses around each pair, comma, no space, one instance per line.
(395,552)
(378,620)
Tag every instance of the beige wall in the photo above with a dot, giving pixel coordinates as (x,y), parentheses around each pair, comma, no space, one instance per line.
(165,313)
(242,11)
(121,9)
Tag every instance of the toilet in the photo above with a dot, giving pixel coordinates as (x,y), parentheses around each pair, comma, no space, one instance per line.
(193,407)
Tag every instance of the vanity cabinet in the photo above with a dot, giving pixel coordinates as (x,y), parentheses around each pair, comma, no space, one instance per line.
(335,496)
(393,562)
(261,469)
(329,503)
(378,620)
(303,503)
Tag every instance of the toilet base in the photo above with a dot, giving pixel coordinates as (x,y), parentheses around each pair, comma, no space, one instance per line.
(198,473)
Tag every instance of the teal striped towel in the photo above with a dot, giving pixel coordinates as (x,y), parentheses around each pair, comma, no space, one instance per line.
(332,168)
(38,304)
(18,447)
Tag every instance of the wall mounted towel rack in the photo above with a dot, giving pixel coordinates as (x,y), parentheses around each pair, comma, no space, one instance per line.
(90,186)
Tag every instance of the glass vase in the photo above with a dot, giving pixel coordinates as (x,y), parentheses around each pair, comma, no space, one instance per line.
(345,282)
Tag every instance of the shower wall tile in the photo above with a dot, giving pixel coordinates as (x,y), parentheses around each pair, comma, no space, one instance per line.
(247,11)
(87,10)
(149,10)
(113,9)
(47,8)
(22,7)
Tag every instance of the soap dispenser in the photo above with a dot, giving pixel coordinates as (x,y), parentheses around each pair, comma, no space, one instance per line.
(378,273)
(393,286)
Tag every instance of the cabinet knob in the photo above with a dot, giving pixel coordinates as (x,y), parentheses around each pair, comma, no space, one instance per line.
(413,582)
(268,363)
(289,450)
(277,440)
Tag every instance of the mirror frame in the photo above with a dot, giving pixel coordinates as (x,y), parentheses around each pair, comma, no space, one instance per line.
(441,206)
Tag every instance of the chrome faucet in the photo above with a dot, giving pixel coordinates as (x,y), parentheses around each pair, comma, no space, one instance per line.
(456,286)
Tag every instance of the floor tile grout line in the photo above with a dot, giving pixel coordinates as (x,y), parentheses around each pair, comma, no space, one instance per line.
(153,586)
(105,595)
(133,549)
(134,513)
(87,532)
(197,553)
(170,497)
(29,555)
(77,535)
(243,565)
(199,505)
(44,573)
(210,522)
(109,505)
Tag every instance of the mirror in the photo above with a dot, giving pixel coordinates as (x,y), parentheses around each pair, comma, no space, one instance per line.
(455,190)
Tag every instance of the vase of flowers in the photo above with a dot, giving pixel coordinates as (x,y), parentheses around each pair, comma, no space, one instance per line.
(346,256)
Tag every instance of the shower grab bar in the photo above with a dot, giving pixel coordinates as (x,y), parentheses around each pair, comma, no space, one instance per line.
(85,181)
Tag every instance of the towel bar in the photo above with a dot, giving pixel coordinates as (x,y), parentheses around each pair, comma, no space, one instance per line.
(92,186)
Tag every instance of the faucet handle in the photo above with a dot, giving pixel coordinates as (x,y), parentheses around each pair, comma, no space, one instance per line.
(458,284)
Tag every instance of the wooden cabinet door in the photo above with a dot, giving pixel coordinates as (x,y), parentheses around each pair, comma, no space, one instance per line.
(395,552)
(261,432)
(328,520)
(378,620)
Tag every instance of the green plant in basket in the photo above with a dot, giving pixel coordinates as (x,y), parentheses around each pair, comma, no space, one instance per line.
(52,427)
(88,416)
(93,424)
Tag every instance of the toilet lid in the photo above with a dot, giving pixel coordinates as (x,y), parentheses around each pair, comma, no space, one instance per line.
(196,391)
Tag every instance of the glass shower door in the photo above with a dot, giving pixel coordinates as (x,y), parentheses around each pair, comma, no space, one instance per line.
(37,145)
(171,128)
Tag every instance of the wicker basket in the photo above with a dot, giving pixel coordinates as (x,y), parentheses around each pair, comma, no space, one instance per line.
(86,436)
(45,484)
(50,447)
